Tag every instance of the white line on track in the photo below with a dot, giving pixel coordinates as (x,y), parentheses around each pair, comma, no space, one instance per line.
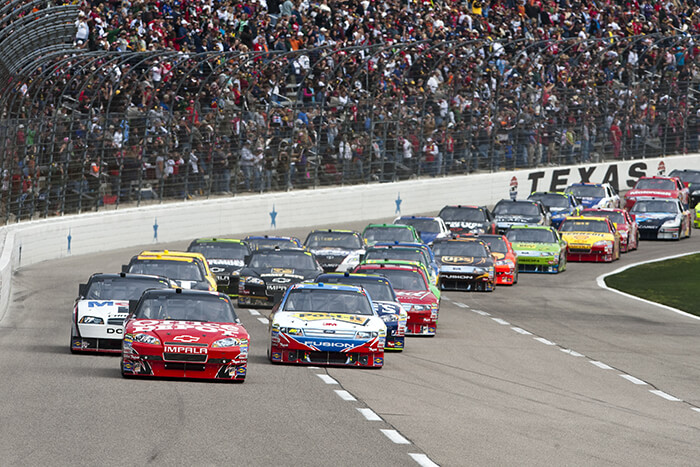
(422,460)
(666,396)
(696,409)
(263,320)
(482,313)
(521,331)
(601,283)
(632,379)
(254,312)
(313,368)
(370,415)
(327,379)
(462,305)
(501,321)
(346,396)
(601,365)
(573,353)
(395,436)
(544,341)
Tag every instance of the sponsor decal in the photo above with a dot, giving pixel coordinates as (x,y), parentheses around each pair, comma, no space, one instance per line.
(114,330)
(146,325)
(378,361)
(282,271)
(186,349)
(93,304)
(281,280)
(514,188)
(352,319)
(457,259)
(463,225)
(331,344)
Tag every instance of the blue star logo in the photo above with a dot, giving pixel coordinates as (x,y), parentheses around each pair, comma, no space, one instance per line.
(155,230)
(70,238)
(273,217)
(398,204)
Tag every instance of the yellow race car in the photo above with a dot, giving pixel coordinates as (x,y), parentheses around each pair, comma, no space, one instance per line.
(190,270)
(590,239)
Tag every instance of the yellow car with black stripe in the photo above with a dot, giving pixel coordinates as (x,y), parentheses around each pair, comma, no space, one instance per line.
(590,239)
(189,270)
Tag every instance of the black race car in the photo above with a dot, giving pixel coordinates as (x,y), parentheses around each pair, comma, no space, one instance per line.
(336,250)
(521,212)
(226,257)
(468,219)
(691,179)
(268,274)
(466,263)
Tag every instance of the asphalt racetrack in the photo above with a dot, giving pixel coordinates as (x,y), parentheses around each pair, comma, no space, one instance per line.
(552,371)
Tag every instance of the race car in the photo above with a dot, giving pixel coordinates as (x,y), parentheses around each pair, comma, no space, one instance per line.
(691,179)
(629,230)
(384,301)
(336,250)
(327,324)
(432,262)
(187,272)
(509,212)
(662,219)
(465,263)
(559,204)
(414,292)
(590,239)
(270,272)
(506,259)
(374,233)
(197,257)
(657,187)
(595,195)
(429,228)
(225,257)
(176,333)
(468,219)
(101,307)
(403,253)
(696,222)
(539,248)
(270,242)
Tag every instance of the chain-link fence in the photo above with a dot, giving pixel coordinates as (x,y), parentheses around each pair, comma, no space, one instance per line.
(85,131)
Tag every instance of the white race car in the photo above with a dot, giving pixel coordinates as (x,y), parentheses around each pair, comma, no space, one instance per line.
(327,324)
(101,307)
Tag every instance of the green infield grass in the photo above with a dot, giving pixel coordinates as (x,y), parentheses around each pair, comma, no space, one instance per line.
(672,282)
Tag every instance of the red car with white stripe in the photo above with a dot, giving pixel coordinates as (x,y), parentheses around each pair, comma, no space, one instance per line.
(657,187)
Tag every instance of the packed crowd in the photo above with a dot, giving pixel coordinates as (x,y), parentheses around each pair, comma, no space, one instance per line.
(223,96)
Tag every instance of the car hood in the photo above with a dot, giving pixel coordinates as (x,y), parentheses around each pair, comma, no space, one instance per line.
(416,296)
(107,309)
(532,246)
(330,321)
(187,333)
(388,308)
(219,266)
(518,219)
(586,238)
(464,261)
(464,225)
(590,201)
(332,251)
(290,273)
(654,217)
(652,194)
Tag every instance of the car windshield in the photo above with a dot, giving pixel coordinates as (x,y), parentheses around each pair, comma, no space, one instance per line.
(378,289)
(220,250)
(655,184)
(460,248)
(401,279)
(584,225)
(328,301)
(531,236)
(345,240)
(421,225)
(516,208)
(614,216)
(462,214)
(185,307)
(687,177)
(396,253)
(174,269)
(282,259)
(122,288)
(587,191)
(271,243)
(388,234)
(496,244)
(654,205)
(551,200)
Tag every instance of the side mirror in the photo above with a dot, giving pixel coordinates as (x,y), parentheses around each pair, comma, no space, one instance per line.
(125,268)
(82,290)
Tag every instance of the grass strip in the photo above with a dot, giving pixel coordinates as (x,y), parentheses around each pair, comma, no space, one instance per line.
(672,282)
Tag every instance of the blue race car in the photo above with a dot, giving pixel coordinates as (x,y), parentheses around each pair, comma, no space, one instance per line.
(429,228)
(595,195)
(560,205)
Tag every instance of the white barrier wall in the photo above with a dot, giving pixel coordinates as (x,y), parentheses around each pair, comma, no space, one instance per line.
(30,242)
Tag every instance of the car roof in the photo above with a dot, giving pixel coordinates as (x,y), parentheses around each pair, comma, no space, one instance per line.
(184,292)
(326,286)
(392,226)
(334,231)
(534,227)
(352,275)
(392,265)
(129,275)
(218,240)
(164,258)
(174,253)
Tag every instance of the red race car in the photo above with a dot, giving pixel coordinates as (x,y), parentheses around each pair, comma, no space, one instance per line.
(176,333)
(420,299)
(629,230)
(505,258)
(657,187)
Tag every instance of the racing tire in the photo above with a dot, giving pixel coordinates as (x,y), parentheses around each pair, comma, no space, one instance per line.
(70,346)
(515,276)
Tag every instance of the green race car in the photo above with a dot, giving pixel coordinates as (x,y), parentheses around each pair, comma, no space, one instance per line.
(538,248)
(696,222)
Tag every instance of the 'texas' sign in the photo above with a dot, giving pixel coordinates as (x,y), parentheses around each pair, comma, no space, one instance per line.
(621,176)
